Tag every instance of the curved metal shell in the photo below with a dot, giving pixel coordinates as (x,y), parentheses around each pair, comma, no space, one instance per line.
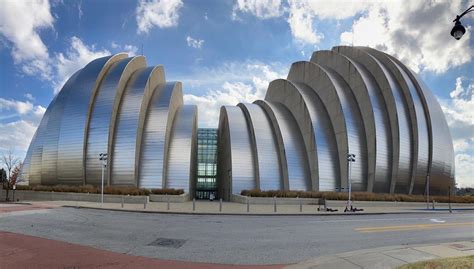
(103,114)
(441,153)
(318,133)
(329,86)
(236,160)
(180,171)
(407,124)
(156,132)
(125,143)
(385,98)
(49,156)
(264,142)
(293,161)
(31,171)
(75,122)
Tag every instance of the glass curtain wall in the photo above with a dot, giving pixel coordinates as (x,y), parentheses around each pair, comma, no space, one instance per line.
(207,159)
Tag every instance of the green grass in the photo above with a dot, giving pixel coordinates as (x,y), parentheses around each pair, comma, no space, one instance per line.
(447,263)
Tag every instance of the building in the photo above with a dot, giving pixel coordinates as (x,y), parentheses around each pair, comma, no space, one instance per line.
(353,100)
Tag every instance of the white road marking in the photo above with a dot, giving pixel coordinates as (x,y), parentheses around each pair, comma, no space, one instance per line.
(437,220)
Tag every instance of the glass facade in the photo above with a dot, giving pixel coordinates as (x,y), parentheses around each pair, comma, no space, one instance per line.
(206,164)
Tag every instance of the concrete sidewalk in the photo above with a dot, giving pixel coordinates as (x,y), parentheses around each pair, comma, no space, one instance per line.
(229,208)
(388,257)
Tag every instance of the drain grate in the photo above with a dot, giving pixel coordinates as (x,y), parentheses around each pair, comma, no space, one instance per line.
(168,243)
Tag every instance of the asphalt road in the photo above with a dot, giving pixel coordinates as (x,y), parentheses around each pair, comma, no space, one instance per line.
(237,239)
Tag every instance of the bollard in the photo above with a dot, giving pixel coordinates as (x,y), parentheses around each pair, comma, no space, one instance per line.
(168,203)
(434,204)
(301,205)
(122,201)
(248,205)
(220,205)
(274,203)
(144,203)
(194,204)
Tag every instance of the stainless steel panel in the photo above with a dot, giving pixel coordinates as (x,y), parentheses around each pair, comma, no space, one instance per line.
(267,158)
(358,99)
(325,141)
(32,164)
(406,129)
(239,173)
(423,138)
(442,160)
(326,162)
(404,183)
(381,96)
(154,148)
(323,84)
(71,146)
(182,147)
(49,157)
(294,150)
(127,125)
(355,131)
(102,115)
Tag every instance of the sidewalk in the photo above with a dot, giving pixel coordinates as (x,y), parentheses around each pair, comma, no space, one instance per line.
(388,257)
(229,208)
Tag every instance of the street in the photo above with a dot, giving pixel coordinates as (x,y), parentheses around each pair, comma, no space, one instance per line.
(244,240)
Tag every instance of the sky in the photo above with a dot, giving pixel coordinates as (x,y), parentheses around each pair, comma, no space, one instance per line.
(226,52)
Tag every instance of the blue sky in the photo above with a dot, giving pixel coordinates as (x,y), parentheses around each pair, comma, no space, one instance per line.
(226,52)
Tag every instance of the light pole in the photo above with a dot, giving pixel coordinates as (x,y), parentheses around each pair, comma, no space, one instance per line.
(458,30)
(350,159)
(428,191)
(103,159)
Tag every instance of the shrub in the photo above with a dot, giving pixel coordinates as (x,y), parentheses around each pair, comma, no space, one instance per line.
(118,190)
(356,196)
(167,191)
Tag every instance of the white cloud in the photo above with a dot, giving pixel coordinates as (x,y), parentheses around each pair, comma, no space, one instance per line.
(17,135)
(195,43)
(20,23)
(160,13)
(459,112)
(76,57)
(301,23)
(464,170)
(29,96)
(19,107)
(262,9)
(416,32)
(230,84)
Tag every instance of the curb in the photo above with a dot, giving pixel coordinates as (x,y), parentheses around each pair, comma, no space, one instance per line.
(15,203)
(249,214)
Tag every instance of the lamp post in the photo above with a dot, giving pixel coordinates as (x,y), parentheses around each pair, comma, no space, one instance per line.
(103,159)
(458,30)
(428,191)
(350,159)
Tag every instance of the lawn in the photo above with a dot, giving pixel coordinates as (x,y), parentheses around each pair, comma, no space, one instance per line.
(446,263)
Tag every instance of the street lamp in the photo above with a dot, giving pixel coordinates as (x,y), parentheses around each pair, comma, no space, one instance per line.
(350,159)
(459,30)
(103,159)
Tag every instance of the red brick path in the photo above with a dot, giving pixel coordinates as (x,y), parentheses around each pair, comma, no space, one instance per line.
(24,251)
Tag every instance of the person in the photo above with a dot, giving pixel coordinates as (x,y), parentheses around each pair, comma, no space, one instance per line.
(212,197)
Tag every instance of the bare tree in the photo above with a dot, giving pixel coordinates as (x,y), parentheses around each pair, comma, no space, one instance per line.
(11,163)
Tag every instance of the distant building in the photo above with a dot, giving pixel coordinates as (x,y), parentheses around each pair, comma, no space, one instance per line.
(347,100)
